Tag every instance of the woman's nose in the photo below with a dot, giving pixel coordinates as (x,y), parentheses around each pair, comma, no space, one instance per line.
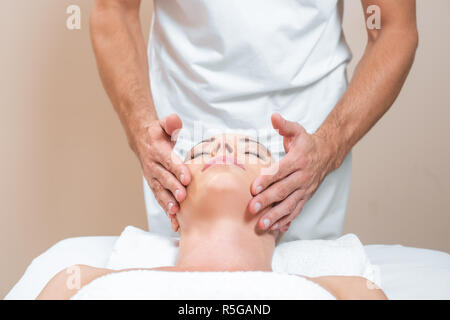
(221,148)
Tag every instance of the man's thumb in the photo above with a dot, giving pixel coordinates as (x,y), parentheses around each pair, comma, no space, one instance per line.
(285,127)
(171,124)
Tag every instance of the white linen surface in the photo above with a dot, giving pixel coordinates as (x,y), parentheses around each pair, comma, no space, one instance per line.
(406,273)
(412,273)
(147,284)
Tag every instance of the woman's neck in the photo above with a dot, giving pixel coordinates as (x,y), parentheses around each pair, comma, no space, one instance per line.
(226,245)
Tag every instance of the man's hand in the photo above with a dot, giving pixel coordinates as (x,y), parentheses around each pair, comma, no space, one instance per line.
(164,171)
(299,174)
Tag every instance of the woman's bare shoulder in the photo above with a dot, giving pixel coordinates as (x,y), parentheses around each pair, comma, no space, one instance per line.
(350,287)
(68,281)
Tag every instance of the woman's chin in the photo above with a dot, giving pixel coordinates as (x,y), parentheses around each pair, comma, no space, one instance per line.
(223,186)
(219,190)
(225,178)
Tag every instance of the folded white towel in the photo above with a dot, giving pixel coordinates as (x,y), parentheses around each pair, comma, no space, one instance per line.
(147,284)
(344,256)
(136,248)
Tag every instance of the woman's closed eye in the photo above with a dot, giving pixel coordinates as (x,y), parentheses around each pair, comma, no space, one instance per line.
(254,154)
(195,155)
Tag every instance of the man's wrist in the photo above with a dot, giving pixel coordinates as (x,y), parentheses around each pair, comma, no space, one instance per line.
(137,122)
(331,149)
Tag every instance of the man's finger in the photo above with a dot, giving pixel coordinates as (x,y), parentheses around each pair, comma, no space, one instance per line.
(173,163)
(165,199)
(285,167)
(284,223)
(285,127)
(283,209)
(170,182)
(286,227)
(276,192)
(174,223)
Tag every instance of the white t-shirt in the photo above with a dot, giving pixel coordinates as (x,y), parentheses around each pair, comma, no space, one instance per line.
(226,66)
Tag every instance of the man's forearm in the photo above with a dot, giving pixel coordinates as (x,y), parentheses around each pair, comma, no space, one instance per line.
(123,64)
(376,84)
(121,55)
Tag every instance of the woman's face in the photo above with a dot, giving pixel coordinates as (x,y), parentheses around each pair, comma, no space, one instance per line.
(222,170)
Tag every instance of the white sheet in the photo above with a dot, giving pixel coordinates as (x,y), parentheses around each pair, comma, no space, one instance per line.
(165,285)
(406,273)
(412,273)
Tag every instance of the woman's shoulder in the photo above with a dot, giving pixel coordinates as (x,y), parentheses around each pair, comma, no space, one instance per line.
(68,281)
(350,287)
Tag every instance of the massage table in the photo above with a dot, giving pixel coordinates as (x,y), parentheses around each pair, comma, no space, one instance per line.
(406,272)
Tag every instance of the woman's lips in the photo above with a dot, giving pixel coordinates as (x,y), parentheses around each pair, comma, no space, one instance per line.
(223,160)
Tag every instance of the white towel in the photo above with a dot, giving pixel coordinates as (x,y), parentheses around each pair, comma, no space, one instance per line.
(147,284)
(136,248)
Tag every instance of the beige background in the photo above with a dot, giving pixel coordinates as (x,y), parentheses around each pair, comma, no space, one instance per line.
(66,169)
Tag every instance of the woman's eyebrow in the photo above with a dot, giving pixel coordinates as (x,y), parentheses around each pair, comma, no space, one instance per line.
(206,140)
(246,139)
